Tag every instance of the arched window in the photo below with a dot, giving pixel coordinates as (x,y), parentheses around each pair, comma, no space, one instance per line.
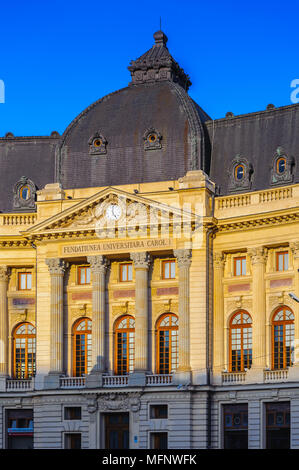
(82,347)
(240,340)
(167,343)
(124,346)
(282,338)
(281,165)
(24,351)
(239,172)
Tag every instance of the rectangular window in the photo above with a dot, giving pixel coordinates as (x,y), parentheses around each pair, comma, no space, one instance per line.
(126,272)
(158,440)
(240,266)
(168,269)
(25,281)
(72,440)
(235,423)
(84,275)
(72,412)
(278,425)
(158,411)
(282,261)
(19,429)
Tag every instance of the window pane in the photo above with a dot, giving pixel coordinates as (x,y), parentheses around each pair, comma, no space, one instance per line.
(244,266)
(88,270)
(130,272)
(29,281)
(173,269)
(23,281)
(166,270)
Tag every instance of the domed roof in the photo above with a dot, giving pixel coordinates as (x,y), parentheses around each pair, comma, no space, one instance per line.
(149,131)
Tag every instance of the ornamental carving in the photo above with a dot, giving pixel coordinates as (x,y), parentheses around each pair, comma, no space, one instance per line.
(98,264)
(295,249)
(141,260)
(97,144)
(152,139)
(282,168)
(4,273)
(119,401)
(219,260)
(239,181)
(258,255)
(56,266)
(184,257)
(24,195)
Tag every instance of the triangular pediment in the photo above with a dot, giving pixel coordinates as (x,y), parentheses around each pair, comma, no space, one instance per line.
(96,213)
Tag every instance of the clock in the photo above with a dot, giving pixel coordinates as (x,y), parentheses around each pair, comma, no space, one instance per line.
(113,212)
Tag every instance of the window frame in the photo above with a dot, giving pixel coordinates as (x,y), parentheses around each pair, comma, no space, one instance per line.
(240,258)
(168,262)
(118,369)
(126,265)
(240,326)
(239,165)
(24,273)
(278,254)
(25,336)
(76,333)
(277,165)
(158,349)
(282,323)
(80,269)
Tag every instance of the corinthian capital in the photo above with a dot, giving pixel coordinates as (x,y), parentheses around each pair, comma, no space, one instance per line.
(56,265)
(295,249)
(257,254)
(98,263)
(141,260)
(219,259)
(184,257)
(3,273)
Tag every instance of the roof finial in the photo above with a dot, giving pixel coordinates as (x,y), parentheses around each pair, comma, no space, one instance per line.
(160,23)
(160,38)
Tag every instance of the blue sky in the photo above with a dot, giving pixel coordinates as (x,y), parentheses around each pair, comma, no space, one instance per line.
(57,57)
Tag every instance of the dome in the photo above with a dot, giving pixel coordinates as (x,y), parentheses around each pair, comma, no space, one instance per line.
(149,131)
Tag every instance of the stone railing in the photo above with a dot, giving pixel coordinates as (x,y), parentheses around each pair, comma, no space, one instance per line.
(115,380)
(159,379)
(16,385)
(275,375)
(229,202)
(275,194)
(72,382)
(17,219)
(233,378)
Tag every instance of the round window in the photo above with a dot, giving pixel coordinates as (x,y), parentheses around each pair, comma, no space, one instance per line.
(239,172)
(152,138)
(97,142)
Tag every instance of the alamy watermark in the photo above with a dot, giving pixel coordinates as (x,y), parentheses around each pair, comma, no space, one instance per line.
(295,93)
(2,92)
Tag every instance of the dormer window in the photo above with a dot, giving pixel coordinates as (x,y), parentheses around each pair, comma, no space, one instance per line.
(152,139)
(239,174)
(25,192)
(24,195)
(97,144)
(282,167)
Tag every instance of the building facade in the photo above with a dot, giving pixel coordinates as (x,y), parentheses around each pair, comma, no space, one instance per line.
(147,257)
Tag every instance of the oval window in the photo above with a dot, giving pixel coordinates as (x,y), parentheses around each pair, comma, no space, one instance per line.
(97,142)
(281,165)
(239,172)
(152,138)
(25,193)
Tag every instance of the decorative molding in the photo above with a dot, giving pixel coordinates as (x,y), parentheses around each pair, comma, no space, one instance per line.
(19,203)
(4,273)
(152,139)
(56,266)
(285,177)
(245,182)
(141,260)
(184,257)
(98,264)
(97,144)
(295,249)
(219,259)
(257,255)
(119,401)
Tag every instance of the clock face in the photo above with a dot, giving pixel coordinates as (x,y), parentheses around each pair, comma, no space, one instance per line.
(113,212)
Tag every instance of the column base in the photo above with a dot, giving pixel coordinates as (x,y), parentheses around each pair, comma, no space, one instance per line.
(182,377)
(137,379)
(52,381)
(255,375)
(94,380)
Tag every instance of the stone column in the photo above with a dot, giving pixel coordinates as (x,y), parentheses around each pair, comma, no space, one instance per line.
(219,361)
(4,334)
(258,257)
(294,371)
(56,268)
(98,267)
(183,373)
(141,263)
